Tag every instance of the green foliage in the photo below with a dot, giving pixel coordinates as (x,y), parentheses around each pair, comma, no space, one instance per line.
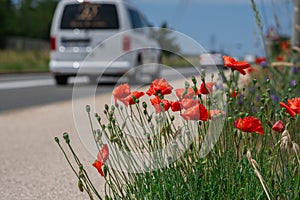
(7,16)
(34,18)
(167,41)
(28,18)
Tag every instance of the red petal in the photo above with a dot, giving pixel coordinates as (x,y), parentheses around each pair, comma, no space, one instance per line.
(98,165)
(103,154)
(175,106)
(288,109)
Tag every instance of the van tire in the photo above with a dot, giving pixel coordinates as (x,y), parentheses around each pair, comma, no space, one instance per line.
(61,79)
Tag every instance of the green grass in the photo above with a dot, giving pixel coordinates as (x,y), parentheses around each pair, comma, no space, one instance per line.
(23,61)
(12,61)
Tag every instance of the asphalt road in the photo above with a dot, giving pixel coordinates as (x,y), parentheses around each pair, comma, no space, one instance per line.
(26,90)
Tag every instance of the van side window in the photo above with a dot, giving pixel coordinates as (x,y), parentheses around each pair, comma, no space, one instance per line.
(90,16)
(136,21)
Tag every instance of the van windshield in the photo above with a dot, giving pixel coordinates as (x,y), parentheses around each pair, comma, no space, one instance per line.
(90,16)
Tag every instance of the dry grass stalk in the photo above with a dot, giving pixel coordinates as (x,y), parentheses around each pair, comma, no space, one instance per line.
(255,167)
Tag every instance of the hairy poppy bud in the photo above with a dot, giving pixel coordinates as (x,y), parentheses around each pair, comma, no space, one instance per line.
(87,108)
(144,104)
(56,139)
(106,107)
(112,107)
(66,136)
(80,185)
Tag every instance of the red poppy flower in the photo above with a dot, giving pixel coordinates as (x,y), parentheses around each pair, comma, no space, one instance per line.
(159,86)
(175,106)
(284,45)
(278,126)
(156,102)
(279,58)
(234,94)
(190,93)
(293,106)
(206,88)
(288,109)
(214,113)
(250,70)
(103,154)
(129,100)
(236,65)
(121,91)
(101,159)
(197,112)
(249,124)
(259,60)
(98,165)
(123,94)
(187,103)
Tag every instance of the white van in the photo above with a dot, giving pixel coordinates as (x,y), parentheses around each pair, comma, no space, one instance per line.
(108,35)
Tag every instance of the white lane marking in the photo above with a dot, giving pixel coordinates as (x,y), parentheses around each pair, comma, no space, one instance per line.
(35,83)
(25,84)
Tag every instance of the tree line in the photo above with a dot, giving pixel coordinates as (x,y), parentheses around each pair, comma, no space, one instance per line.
(27,18)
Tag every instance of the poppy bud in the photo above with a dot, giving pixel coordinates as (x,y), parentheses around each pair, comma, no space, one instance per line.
(106,107)
(87,108)
(113,108)
(261,108)
(113,121)
(172,118)
(66,136)
(80,185)
(134,99)
(290,90)
(98,117)
(117,105)
(254,81)
(241,114)
(278,126)
(230,119)
(80,174)
(56,140)
(144,104)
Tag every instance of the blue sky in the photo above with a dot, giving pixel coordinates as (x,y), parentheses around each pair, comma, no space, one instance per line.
(230,22)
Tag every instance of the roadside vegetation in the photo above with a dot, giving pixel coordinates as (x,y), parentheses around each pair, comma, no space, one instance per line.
(23,61)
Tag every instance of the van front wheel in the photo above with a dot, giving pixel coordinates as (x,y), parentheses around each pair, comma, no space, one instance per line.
(61,79)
